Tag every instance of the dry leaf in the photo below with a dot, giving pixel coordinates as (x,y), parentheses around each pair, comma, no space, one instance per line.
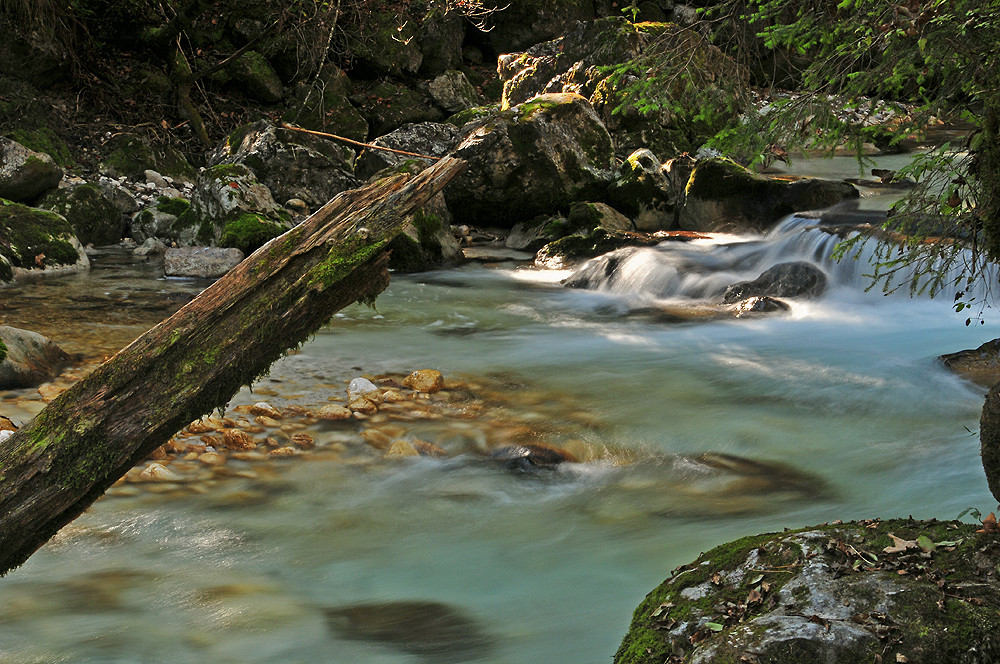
(899,545)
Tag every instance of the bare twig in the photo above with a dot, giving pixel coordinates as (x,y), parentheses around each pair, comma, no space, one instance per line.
(359,143)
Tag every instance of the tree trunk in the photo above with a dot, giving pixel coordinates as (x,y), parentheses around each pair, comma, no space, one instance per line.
(196,360)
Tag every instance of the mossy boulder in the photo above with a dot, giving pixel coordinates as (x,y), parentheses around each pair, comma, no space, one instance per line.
(388,105)
(35,240)
(453,92)
(230,205)
(93,215)
(291,164)
(721,195)
(158,221)
(130,155)
(44,139)
(25,174)
(253,75)
(585,55)
(853,593)
(573,249)
(535,158)
(325,106)
(433,139)
(426,241)
(643,191)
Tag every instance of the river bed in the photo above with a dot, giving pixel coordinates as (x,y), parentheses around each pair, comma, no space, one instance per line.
(837,410)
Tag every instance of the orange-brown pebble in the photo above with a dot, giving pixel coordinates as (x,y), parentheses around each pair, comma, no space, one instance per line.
(211,458)
(400,449)
(376,439)
(428,449)
(304,441)
(284,451)
(236,439)
(333,412)
(427,381)
(265,409)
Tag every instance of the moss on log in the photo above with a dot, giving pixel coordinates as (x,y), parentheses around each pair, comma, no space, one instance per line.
(81,443)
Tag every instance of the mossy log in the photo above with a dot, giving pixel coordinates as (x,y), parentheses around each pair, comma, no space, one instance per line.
(80,444)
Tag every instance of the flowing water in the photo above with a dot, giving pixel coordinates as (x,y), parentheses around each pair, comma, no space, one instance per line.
(689,434)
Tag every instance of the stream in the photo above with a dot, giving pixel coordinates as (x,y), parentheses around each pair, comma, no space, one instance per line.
(688,434)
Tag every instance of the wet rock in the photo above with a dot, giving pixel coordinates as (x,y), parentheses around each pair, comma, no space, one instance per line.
(27,358)
(291,164)
(400,449)
(792,279)
(758,306)
(93,215)
(236,439)
(532,159)
(723,196)
(150,247)
(432,630)
(826,594)
(6,424)
(571,249)
(363,405)
(203,262)
(530,457)
(981,366)
(333,412)
(155,472)
(285,451)
(425,380)
(25,174)
(361,386)
(211,458)
(643,191)
(426,241)
(264,408)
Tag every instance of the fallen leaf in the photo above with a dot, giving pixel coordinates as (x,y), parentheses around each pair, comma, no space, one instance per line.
(899,545)
(925,543)
(715,627)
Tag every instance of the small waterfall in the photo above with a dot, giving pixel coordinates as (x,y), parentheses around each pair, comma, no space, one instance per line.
(702,269)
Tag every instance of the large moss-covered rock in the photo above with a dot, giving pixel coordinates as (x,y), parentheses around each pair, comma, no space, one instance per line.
(581,60)
(426,241)
(721,195)
(325,106)
(37,240)
(643,191)
(231,208)
(25,174)
(130,155)
(891,591)
(532,159)
(93,215)
(27,358)
(291,164)
(254,76)
(44,139)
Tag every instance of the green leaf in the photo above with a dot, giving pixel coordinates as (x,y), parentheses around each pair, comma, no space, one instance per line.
(925,543)
(715,627)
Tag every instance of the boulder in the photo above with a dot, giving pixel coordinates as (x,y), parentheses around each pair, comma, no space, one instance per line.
(388,105)
(564,252)
(643,191)
(202,262)
(231,208)
(254,76)
(388,46)
(518,25)
(754,306)
(130,155)
(981,366)
(92,214)
(25,174)
(791,279)
(159,221)
(426,241)
(440,39)
(582,59)
(452,92)
(325,106)
(292,164)
(532,159)
(28,359)
(721,195)
(433,139)
(36,241)
(855,593)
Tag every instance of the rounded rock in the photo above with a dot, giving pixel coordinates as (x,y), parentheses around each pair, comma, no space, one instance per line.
(427,381)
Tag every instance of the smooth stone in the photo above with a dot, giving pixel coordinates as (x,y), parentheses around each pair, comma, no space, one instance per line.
(427,381)
(333,412)
(202,262)
(155,472)
(211,458)
(237,439)
(400,449)
(264,408)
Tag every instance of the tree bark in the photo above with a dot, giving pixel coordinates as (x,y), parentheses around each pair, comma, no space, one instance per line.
(91,435)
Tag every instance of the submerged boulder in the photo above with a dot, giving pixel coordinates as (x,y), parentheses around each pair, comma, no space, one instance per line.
(721,195)
(531,159)
(27,358)
(200,262)
(891,591)
(792,279)
(25,174)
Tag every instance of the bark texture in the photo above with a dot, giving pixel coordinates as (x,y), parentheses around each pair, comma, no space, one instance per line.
(196,360)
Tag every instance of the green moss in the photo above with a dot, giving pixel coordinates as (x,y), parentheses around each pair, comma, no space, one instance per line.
(407,254)
(45,140)
(248,232)
(29,236)
(91,214)
(3,351)
(341,261)
(174,206)
(715,179)
(462,118)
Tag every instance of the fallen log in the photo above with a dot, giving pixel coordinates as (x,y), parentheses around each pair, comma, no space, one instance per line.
(55,466)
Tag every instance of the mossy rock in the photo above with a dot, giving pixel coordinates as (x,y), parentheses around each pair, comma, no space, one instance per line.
(900,590)
(326,107)
(131,156)
(93,216)
(255,77)
(248,232)
(463,118)
(45,140)
(574,248)
(389,105)
(32,238)
(385,45)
